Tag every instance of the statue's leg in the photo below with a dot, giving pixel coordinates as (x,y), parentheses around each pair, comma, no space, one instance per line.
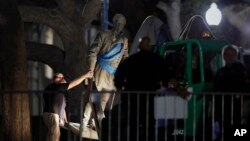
(87,114)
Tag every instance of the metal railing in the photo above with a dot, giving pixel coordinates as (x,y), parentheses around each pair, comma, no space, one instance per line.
(152,116)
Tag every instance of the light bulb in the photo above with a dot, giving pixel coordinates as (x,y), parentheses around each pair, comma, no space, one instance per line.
(213,15)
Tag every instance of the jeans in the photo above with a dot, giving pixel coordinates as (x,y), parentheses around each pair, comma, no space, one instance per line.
(51,121)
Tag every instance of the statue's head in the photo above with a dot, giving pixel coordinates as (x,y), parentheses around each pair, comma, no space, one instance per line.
(119,21)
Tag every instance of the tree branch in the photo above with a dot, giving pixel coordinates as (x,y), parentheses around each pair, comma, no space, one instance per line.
(245,12)
(53,18)
(67,7)
(90,10)
(48,54)
(235,18)
(172,11)
(240,19)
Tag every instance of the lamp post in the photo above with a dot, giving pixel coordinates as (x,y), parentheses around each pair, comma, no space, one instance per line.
(213,15)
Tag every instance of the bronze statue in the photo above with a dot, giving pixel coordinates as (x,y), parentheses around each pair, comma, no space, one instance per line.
(108,49)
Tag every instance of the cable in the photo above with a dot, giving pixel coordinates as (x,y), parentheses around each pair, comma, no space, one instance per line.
(187,27)
(84,7)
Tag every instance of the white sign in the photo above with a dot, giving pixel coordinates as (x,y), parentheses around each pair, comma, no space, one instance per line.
(170,107)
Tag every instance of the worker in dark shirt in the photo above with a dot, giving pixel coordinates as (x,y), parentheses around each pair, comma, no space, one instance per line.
(229,79)
(54,114)
(142,71)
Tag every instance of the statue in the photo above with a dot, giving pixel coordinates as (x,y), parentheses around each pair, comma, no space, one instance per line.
(108,49)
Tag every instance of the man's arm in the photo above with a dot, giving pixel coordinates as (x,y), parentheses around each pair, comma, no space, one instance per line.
(63,120)
(78,80)
(65,117)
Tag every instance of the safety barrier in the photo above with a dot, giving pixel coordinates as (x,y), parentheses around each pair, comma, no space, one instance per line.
(150,116)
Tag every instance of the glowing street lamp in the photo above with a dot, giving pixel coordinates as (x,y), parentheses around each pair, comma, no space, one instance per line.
(213,15)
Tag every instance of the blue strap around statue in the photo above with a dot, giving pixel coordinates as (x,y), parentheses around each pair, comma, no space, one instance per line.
(110,56)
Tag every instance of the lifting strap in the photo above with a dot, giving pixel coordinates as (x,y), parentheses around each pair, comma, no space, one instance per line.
(111,55)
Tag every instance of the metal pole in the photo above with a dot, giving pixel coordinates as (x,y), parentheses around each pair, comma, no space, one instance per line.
(105,15)
(81,116)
